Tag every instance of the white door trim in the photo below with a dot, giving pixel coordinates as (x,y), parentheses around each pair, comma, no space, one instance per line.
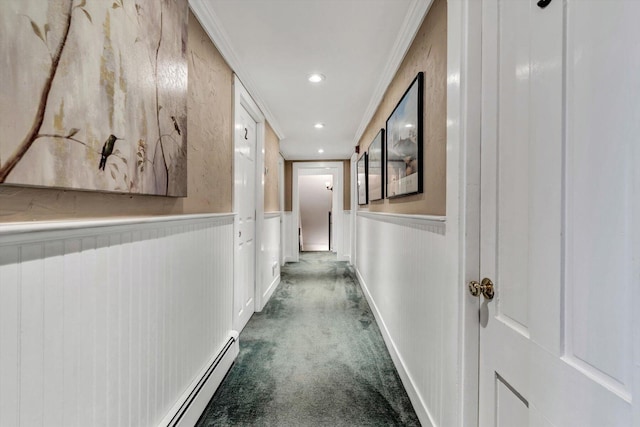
(281,207)
(320,168)
(354,207)
(463,188)
(242,99)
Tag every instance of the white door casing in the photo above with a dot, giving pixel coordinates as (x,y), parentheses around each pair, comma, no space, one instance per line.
(353,205)
(558,235)
(281,205)
(248,204)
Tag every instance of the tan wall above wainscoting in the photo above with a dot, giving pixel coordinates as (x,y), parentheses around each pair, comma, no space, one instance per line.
(428,53)
(288,182)
(210,156)
(346,191)
(288,185)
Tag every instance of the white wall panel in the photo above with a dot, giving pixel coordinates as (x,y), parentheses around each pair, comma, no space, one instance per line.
(270,275)
(109,322)
(401,263)
(290,238)
(346,231)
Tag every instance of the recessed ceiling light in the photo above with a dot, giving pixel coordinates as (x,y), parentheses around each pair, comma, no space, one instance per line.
(315,78)
(321,151)
(318,125)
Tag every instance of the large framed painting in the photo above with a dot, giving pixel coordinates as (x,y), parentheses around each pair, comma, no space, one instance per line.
(362,180)
(94,95)
(375,167)
(404,143)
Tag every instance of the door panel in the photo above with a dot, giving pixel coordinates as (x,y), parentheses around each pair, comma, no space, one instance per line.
(245,186)
(505,211)
(512,409)
(513,159)
(559,123)
(600,132)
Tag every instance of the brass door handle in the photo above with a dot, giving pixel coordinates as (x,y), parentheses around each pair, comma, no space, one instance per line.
(485,288)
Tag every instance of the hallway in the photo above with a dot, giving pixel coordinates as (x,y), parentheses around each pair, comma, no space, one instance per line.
(314,356)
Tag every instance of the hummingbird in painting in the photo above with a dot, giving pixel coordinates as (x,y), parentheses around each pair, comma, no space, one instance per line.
(107,149)
(175,125)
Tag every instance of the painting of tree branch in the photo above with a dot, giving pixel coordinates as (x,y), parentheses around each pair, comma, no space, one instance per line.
(94,95)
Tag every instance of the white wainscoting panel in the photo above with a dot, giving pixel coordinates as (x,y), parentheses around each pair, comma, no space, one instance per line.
(290,236)
(401,264)
(270,276)
(110,322)
(346,231)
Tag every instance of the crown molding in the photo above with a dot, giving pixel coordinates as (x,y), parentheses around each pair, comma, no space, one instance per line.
(212,25)
(410,26)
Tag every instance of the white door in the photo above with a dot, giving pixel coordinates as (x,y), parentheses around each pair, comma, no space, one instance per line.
(560,127)
(245,205)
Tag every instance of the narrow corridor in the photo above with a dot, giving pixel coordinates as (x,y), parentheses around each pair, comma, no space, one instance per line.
(313,357)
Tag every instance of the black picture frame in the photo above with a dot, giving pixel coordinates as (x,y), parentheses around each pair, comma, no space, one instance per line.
(361,175)
(404,134)
(375,168)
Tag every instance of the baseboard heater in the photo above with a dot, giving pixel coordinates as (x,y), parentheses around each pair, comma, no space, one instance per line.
(193,402)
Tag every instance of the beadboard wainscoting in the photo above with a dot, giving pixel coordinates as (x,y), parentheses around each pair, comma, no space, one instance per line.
(290,236)
(346,240)
(270,277)
(401,265)
(114,322)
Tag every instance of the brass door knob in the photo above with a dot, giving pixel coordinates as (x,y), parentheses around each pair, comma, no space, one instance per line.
(485,288)
(474,288)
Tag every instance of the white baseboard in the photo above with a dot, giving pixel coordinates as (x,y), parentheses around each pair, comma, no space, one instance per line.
(195,399)
(416,400)
(267,294)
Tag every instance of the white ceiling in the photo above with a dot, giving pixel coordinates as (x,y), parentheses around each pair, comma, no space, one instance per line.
(273,45)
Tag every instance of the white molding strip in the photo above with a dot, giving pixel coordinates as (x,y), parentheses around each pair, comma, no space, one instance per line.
(418,403)
(270,215)
(412,21)
(87,226)
(215,30)
(437,222)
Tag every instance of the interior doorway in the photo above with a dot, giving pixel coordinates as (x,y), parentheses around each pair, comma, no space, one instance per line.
(336,170)
(316,211)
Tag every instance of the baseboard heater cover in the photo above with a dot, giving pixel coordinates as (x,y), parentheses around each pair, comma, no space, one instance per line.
(189,408)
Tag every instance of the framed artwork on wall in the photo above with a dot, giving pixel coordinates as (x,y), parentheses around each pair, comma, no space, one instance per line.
(95,95)
(404,160)
(362,180)
(375,167)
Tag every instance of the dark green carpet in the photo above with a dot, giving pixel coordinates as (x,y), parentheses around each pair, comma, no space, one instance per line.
(313,357)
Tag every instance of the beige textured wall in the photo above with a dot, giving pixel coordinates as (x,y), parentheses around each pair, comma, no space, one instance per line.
(288,182)
(210,156)
(428,53)
(288,185)
(271,156)
(346,191)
